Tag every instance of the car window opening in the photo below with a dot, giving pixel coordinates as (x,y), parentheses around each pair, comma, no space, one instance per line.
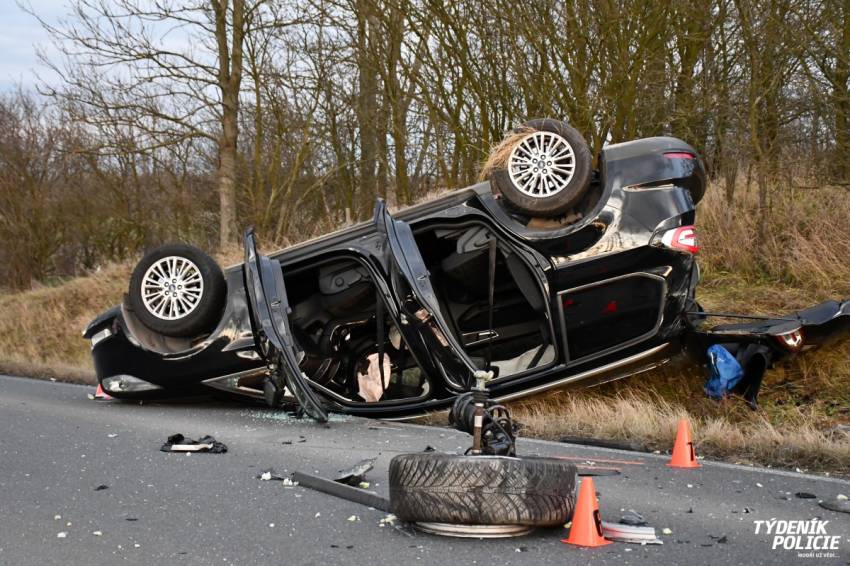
(458,261)
(335,309)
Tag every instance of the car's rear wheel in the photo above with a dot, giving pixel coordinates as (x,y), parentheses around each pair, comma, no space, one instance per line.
(481,490)
(547,171)
(177,290)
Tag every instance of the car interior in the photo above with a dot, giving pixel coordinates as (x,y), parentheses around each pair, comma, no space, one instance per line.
(339,318)
(335,317)
(458,260)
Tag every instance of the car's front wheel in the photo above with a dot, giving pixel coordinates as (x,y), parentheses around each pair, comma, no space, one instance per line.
(177,290)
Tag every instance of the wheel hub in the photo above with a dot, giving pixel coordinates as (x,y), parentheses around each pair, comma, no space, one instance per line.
(542,164)
(172,287)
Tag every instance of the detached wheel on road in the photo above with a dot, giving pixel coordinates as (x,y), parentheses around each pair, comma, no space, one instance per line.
(482,490)
(548,170)
(177,290)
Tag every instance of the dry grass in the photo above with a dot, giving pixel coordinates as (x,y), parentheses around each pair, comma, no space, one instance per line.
(798,261)
(41,329)
(499,153)
(651,420)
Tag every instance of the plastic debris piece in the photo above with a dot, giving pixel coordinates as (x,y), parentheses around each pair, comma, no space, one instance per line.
(101,487)
(363,485)
(759,485)
(805,495)
(390,520)
(57,517)
(63,534)
(112,434)
(179,443)
(97,533)
(353,518)
(629,533)
(841,497)
(354,475)
(666,531)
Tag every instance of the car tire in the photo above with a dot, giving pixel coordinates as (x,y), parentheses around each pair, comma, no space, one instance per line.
(562,189)
(189,310)
(482,490)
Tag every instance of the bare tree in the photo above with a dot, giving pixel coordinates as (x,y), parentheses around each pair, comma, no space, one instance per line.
(166,69)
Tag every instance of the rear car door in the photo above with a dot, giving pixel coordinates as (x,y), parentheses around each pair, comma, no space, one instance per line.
(272,332)
(411,285)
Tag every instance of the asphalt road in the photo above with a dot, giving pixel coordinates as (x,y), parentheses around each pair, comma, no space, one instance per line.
(57,446)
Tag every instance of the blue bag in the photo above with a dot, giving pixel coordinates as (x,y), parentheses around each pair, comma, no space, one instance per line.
(726,372)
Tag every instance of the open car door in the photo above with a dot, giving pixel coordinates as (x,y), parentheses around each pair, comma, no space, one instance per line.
(411,284)
(275,341)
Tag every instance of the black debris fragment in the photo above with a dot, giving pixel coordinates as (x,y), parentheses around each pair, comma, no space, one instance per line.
(633,518)
(586,471)
(179,443)
(354,475)
(101,487)
(722,539)
(805,495)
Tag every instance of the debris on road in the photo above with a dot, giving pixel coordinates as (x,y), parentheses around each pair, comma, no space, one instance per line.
(355,475)
(343,491)
(63,534)
(633,519)
(805,495)
(179,443)
(101,487)
(630,533)
(271,475)
(587,471)
(389,520)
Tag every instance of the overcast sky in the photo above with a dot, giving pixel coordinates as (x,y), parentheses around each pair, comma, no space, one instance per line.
(20,34)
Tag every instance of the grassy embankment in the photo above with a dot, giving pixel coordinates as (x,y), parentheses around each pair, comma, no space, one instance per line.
(803,260)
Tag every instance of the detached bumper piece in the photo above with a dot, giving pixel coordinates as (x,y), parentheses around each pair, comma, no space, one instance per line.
(749,348)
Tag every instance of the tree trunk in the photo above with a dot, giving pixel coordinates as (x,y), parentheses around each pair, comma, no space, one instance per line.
(227,179)
(229,83)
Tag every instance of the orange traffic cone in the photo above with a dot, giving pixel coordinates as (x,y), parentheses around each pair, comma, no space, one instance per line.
(99,393)
(586,529)
(683,451)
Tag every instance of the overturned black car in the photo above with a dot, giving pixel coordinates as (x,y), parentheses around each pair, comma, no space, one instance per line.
(550,274)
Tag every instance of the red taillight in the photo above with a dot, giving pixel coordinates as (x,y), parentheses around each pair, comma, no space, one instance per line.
(683,238)
(679,155)
(791,340)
